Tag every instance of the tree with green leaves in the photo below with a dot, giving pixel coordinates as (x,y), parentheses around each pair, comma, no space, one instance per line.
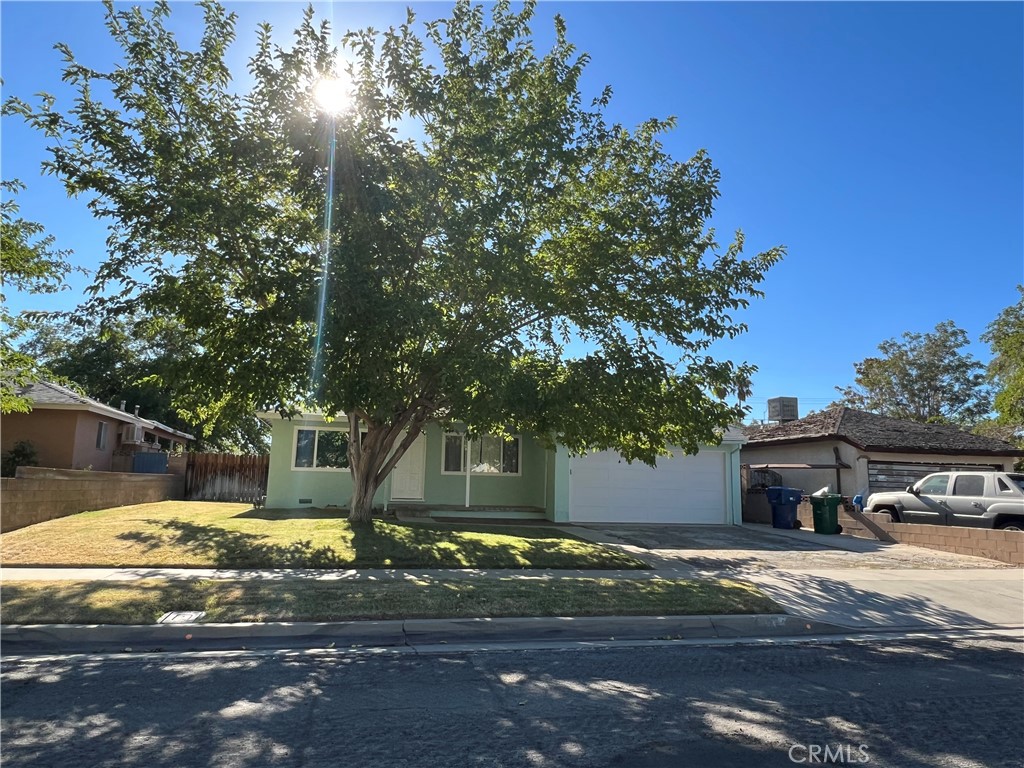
(29,262)
(134,359)
(924,377)
(427,252)
(1006,370)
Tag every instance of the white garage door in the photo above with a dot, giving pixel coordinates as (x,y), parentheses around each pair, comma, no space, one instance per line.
(682,489)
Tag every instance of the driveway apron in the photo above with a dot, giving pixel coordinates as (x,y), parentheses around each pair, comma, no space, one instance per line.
(851,582)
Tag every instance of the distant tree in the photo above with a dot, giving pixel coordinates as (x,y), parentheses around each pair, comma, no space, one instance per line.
(923,377)
(456,266)
(1006,371)
(137,359)
(29,262)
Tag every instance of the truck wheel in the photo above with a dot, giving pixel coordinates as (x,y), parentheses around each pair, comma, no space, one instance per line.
(839,529)
(1011,525)
(891,511)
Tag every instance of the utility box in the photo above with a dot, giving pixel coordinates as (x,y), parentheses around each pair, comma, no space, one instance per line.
(150,463)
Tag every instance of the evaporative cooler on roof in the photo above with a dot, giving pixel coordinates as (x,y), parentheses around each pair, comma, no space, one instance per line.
(783,409)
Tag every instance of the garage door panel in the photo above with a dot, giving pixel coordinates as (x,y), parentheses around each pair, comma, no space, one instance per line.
(681,489)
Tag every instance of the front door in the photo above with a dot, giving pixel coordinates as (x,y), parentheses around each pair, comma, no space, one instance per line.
(407,476)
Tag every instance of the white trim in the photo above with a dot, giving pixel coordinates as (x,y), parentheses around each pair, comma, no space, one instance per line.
(465,457)
(314,428)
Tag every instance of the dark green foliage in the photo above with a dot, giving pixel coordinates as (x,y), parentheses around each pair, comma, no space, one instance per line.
(137,360)
(460,263)
(1006,371)
(30,263)
(925,377)
(22,454)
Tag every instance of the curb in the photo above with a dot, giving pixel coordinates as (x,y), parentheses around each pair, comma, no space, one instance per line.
(40,638)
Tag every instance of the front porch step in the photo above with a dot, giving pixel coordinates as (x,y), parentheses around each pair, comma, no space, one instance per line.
(488,514)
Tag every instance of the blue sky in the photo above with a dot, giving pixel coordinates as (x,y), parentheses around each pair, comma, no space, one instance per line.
(882,143)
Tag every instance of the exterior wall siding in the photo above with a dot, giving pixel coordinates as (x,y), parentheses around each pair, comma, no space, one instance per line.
(51,432)
(286,485)
(854,480)
(809,480)
(87,455)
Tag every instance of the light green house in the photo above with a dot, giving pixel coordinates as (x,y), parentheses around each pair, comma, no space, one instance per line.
(444,472)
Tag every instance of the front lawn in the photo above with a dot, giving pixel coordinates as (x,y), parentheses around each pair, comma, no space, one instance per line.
(209,534)
(143,602)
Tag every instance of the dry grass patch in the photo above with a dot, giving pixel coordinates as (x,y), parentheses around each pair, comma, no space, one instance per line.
(143,602)
(210,534)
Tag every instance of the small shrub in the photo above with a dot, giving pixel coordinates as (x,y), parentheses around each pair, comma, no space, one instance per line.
(22,454)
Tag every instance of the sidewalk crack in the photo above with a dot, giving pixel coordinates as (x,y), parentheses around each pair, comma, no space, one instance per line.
(405,639)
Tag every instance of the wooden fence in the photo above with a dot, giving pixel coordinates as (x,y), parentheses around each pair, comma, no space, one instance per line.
(226,477)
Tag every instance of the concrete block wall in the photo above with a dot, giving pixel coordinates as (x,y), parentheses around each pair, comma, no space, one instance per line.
(37,494)
(1005,546)
(805,514)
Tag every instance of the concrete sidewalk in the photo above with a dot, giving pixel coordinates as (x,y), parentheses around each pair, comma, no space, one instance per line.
(316,574)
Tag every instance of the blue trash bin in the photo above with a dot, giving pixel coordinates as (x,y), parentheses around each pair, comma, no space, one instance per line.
(784,502)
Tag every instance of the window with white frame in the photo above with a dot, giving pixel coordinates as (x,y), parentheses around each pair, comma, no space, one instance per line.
(321,449)
(488,455)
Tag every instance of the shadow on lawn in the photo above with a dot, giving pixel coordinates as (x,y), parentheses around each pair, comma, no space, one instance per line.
(301,513)
(236,549)
(381,545)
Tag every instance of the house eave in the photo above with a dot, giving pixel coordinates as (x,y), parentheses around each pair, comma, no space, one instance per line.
(946,451)
(113,413)
(754,443)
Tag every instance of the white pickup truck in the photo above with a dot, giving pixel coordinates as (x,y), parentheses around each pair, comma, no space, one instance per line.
(975,499)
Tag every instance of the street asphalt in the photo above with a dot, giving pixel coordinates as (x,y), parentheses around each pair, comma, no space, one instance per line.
(880,703)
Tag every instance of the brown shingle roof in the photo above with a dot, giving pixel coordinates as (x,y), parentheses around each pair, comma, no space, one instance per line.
(45,394)
(871,432)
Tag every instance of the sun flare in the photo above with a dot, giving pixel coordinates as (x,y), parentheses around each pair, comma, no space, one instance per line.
(333,94)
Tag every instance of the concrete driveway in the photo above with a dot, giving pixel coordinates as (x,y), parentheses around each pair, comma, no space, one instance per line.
(856,583)
(727,547)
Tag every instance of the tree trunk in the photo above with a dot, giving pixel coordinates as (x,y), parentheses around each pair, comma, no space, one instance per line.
(364,486)
(371,458)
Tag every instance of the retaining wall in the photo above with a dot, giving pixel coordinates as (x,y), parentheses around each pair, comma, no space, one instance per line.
(1005,546)
(39,493)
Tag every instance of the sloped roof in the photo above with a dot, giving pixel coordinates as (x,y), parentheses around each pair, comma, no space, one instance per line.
(871,432)
(47,394)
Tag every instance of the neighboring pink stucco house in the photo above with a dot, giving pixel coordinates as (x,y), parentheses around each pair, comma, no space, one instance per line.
(71,431)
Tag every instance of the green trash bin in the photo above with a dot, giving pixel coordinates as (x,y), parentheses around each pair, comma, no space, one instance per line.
(826,513)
